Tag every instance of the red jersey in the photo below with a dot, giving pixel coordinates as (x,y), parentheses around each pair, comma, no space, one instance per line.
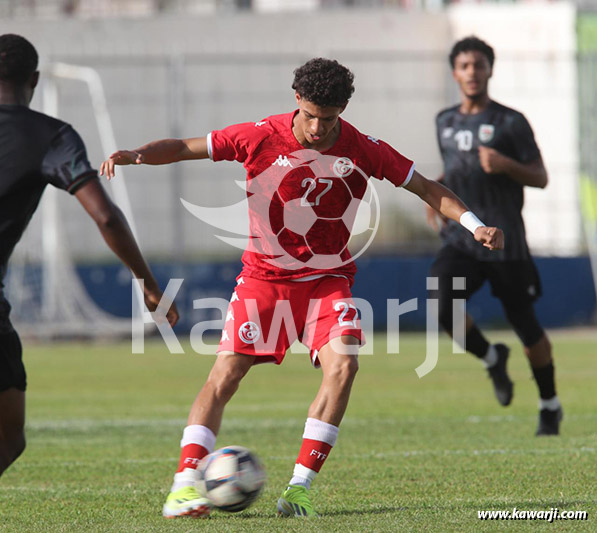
(302,203)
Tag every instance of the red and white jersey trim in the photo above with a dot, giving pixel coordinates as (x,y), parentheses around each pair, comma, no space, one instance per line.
(210,150)
(409,177)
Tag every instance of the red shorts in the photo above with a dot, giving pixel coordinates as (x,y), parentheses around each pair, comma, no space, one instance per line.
(265,317)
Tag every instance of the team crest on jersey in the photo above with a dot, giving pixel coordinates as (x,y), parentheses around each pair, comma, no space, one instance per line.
(343,167)
(249,333)
(486,132)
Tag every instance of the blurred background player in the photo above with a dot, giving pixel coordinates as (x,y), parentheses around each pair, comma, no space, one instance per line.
(270,150)
(37,150)
(489,155)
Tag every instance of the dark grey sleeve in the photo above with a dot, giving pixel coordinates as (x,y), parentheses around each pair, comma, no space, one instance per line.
(524,139)
(65,164)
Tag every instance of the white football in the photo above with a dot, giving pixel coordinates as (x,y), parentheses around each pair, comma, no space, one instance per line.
(231,478)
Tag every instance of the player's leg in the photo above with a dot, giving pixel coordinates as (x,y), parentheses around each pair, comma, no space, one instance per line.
(517,284)
(333,333)
(449,266)
(339,365)
(12,426)
(538,350)
(240,347)
(199,435)
(13,382)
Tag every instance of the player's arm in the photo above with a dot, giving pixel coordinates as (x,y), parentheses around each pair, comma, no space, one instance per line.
(450,206)
(434,218)
(531,174)
(118,236)
(157,153)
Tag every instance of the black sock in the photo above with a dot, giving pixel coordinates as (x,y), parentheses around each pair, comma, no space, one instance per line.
(476,343)
(544,377)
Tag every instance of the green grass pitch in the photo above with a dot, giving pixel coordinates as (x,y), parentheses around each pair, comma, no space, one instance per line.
(413,454)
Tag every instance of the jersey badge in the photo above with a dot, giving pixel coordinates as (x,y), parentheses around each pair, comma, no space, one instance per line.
(282,161)
(257,124)
(373,139)
(486,132)
(343,167)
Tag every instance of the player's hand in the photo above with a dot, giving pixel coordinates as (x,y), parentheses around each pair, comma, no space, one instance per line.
(122,157)
(492,238)
(492,161)
(434,218)
(152,300)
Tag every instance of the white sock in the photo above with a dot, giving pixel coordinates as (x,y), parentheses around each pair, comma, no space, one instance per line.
(186,478)
(491,357)
(302,476)
(553,404)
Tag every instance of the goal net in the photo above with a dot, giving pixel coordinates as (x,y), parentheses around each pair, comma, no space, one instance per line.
(47,295)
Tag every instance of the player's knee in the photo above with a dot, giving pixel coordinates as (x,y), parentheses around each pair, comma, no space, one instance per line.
(345,370)
(226,384)
(526,325)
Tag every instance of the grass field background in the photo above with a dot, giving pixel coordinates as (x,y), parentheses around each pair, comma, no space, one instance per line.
(413,454)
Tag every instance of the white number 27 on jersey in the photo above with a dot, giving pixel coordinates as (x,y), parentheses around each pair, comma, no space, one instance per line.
(311,185)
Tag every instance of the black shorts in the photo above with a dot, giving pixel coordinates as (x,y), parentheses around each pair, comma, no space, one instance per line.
(12,370)
(515,283)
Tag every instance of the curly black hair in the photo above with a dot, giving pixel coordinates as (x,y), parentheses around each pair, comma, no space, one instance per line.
(18,58)
(472,44)
(324,82)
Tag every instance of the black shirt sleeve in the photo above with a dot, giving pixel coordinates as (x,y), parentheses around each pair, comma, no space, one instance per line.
(525,145)
(65,164)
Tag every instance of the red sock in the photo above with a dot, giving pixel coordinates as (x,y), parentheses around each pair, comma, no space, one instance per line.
(190,455)
(313,454)
(318,440)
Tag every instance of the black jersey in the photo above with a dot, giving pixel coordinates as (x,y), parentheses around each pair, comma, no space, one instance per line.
(35,150)
(495,198)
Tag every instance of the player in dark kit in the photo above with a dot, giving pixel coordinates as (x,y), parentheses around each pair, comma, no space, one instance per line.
(490,155)
(37,150)
(310,159)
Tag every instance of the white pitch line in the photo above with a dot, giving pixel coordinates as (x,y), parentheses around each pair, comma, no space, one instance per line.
(381,455)
(232,423)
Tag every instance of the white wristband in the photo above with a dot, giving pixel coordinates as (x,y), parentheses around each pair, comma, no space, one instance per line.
(470,221)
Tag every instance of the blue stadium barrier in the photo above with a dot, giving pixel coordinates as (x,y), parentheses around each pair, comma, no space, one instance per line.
(568,291)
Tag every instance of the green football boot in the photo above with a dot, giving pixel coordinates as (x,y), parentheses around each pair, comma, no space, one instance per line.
(295,502)
(186,502)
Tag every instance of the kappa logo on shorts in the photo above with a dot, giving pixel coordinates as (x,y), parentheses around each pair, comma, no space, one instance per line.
(249,333)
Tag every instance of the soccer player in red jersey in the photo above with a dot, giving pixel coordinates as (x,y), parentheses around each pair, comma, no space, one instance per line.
(308,159)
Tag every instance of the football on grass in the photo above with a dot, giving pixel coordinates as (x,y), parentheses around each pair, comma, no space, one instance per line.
(231,478)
